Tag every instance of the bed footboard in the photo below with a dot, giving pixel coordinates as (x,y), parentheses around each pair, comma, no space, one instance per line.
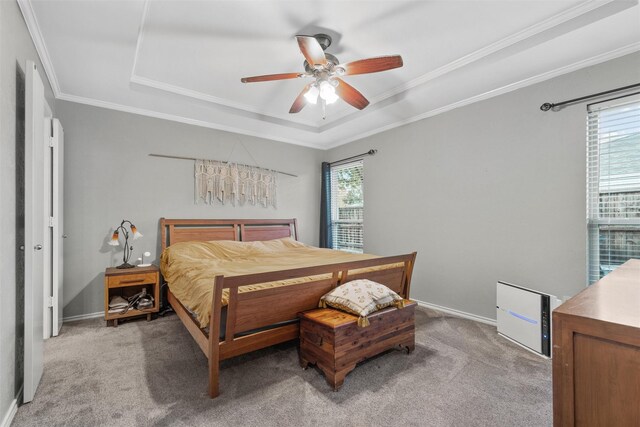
(258,309)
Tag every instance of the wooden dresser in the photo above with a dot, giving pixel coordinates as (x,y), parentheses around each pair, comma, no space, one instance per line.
(596,353)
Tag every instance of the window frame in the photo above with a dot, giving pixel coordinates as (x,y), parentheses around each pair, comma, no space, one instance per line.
(595,218)
(334,219)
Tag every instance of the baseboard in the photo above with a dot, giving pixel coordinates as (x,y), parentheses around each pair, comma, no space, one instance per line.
(452,311)
(456,313)
(83,316)
(11,412)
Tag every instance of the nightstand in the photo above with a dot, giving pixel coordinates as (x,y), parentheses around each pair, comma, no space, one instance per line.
(127,282)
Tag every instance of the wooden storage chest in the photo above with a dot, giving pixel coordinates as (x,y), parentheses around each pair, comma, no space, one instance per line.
(332,340)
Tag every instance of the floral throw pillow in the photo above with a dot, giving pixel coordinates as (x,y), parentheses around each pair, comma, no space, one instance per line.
(361,297)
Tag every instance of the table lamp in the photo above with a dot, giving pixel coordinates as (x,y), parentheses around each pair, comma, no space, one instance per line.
(115,241)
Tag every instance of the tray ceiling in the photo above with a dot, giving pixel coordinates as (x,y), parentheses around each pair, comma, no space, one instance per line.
(182,60)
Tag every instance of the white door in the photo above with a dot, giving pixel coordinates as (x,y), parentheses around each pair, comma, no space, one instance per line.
(34,231)
(58,223)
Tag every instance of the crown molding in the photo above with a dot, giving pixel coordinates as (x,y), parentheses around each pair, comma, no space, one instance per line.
(190,93)
(180,119)
(529,33)
(140,38)
(556,20)
(625,50)
(594,60)
(194,94)
(41,48)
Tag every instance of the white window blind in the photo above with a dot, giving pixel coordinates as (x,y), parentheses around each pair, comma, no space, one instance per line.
(347,206)
(613,185)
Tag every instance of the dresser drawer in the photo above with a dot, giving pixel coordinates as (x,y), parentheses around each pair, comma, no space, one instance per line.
(132,279)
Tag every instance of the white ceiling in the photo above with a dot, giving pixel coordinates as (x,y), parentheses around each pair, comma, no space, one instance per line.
(182,60)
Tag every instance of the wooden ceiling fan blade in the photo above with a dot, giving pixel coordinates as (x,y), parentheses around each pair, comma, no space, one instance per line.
(271,77)
(311,49)
(300,101)
(372,65)
(351,95)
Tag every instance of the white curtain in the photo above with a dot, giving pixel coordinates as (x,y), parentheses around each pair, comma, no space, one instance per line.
(234,183)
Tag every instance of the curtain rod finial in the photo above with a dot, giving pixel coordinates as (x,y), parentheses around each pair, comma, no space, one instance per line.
(372,152)
(546,106)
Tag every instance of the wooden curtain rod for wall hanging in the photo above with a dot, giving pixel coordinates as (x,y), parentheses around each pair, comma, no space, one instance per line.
(194,159)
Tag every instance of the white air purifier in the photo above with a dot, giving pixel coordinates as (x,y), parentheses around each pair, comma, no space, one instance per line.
(524,317)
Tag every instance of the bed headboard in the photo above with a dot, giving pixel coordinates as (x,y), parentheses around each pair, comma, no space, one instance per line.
(243,230)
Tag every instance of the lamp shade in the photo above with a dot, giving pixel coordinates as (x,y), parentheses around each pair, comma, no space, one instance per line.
(328,92)
(312,95)
(136,233)
(114,239)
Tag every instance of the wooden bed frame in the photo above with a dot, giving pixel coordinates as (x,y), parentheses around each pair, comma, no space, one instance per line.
(250,311)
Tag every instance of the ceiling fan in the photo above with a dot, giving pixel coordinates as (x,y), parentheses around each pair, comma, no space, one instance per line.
(326,70)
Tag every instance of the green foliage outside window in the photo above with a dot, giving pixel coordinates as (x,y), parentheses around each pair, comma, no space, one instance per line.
(350,186)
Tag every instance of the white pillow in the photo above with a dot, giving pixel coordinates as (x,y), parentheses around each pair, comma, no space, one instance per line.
(361,297)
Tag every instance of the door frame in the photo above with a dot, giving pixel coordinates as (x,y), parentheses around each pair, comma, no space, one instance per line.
(58,225)
(47,251)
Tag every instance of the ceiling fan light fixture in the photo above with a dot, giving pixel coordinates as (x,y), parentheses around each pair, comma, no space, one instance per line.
(326,71)
(331,98)
(312,95)
(328,92)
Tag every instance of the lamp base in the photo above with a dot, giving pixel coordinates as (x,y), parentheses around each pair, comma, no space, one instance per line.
(125,265)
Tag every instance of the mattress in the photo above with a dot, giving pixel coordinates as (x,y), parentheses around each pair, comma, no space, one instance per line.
(189,268)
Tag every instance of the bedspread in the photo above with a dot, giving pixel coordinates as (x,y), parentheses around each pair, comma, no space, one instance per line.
(190,267)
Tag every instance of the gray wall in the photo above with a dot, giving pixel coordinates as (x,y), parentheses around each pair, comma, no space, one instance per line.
(16,48)
(110,177)
(491,191)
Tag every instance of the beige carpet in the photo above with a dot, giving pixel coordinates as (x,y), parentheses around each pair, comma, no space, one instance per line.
(152,373)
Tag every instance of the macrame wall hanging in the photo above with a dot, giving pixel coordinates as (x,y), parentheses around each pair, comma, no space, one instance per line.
(234,183)
(225,182)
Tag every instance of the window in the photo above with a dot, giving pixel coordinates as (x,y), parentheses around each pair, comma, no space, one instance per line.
(613,185)
(347,206)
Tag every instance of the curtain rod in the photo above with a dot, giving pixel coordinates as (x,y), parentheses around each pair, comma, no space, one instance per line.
(371,152)
(550,106)
(193,158)
(613,99)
